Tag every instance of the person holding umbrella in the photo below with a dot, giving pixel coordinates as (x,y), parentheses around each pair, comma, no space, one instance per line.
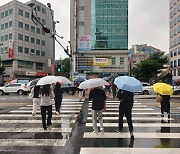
(164,91)
(98,97)
(58,97)
(46,105)
(127,85)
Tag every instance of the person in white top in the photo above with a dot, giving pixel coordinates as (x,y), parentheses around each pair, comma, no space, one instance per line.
(46,105)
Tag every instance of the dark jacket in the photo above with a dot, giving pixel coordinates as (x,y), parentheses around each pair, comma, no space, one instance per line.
(58,93)
(98,98)
(126,99)
(36,91)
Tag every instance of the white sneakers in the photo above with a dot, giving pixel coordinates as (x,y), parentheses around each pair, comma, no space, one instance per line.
(57,113)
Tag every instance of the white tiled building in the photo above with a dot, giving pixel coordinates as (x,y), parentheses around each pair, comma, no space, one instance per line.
(31,46)
(174,48)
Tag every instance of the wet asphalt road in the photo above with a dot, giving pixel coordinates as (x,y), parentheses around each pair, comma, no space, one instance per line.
(71,131)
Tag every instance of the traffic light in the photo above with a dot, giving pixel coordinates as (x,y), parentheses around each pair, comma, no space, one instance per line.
(58,68)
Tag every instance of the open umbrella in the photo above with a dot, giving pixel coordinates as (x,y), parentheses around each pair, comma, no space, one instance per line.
(48,80)
(128,83)
(162,88)
(92,83)
(64,80)
(79,79)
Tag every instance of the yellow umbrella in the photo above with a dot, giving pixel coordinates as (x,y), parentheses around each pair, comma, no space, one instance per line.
(162,88)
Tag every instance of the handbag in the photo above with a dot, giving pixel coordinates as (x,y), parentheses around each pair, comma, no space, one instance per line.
(158,98)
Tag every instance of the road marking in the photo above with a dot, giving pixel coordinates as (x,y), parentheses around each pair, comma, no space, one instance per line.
(32,142)
(135,113)
(138,124)
(129,150)
(136,135)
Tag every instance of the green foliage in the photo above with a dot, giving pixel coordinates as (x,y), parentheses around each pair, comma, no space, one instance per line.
(2,69)
(148,68)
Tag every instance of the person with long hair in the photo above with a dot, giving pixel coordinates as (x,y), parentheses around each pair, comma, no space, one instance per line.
(58,97)
(46,105)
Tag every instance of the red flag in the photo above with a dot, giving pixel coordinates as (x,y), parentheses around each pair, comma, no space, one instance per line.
(10,50)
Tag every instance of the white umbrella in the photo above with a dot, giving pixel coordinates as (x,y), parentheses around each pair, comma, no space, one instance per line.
(48,80)
(92,83)
(64,79)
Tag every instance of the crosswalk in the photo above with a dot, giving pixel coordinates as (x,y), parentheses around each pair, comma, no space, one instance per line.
(18,128)
(153,134)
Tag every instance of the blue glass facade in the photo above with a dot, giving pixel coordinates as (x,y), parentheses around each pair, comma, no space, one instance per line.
(109,24)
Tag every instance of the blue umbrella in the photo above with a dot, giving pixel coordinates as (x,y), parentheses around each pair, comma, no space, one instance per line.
(128,83)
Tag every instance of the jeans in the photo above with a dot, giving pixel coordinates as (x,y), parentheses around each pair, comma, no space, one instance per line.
(96,113)
(47,109)
(58,104)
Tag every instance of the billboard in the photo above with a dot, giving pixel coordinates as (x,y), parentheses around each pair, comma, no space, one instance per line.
(84,43)
(100,62)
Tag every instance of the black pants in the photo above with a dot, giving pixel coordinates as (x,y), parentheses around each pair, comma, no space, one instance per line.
(128,115)
(47,109)
(58,104)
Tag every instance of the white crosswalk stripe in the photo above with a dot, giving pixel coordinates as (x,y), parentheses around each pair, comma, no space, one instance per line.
(22,122)
(145,118)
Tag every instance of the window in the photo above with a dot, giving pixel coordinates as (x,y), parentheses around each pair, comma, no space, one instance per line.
(32,40)
(81,8)
(37,52)
(121,60)
(43,10)
(26,27)
(25,64)
(10,23)
(175,63)
(10,36)
(39,66)
(2,38)
(38,8)
(38,30)
(43,53)
(38,41)
(6,25)
(20,37)
(6,13)
(27,38)
(26,50)
(33,29)
(113,60)
(43,21)
(20,49)
(26,14)
(6,37)
(20,12)
(32,52)
(20,24)
(2,26)
(81,23)
(5,49)
(2,50)
(2,15)
(10,11)
(43,43)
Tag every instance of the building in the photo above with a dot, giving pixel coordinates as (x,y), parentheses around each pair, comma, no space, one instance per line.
(174,48)
(99,36)
(139,53)
(26,51)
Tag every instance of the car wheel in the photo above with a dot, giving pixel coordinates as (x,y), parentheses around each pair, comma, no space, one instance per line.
(71,92)
(20,92)
(146,92)
(1,92)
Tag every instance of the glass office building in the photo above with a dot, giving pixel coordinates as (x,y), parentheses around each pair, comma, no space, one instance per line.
(109,24)
(99,36)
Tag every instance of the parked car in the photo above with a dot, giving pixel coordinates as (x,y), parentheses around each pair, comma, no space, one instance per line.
(19,88)
(176,90)
(147,89)
(68,88)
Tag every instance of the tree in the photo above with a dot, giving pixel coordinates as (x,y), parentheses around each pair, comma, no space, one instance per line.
(148,68)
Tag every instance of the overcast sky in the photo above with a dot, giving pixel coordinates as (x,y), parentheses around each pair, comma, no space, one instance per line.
(148,22)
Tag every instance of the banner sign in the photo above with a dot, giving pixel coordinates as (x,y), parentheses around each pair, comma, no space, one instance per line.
(84,43)
(100,62)
(10,49)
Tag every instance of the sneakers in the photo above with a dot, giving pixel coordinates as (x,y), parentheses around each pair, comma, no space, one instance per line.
(57,113)
(102,130)
(118,130)
(95,132)
(132,135)
(168,115)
